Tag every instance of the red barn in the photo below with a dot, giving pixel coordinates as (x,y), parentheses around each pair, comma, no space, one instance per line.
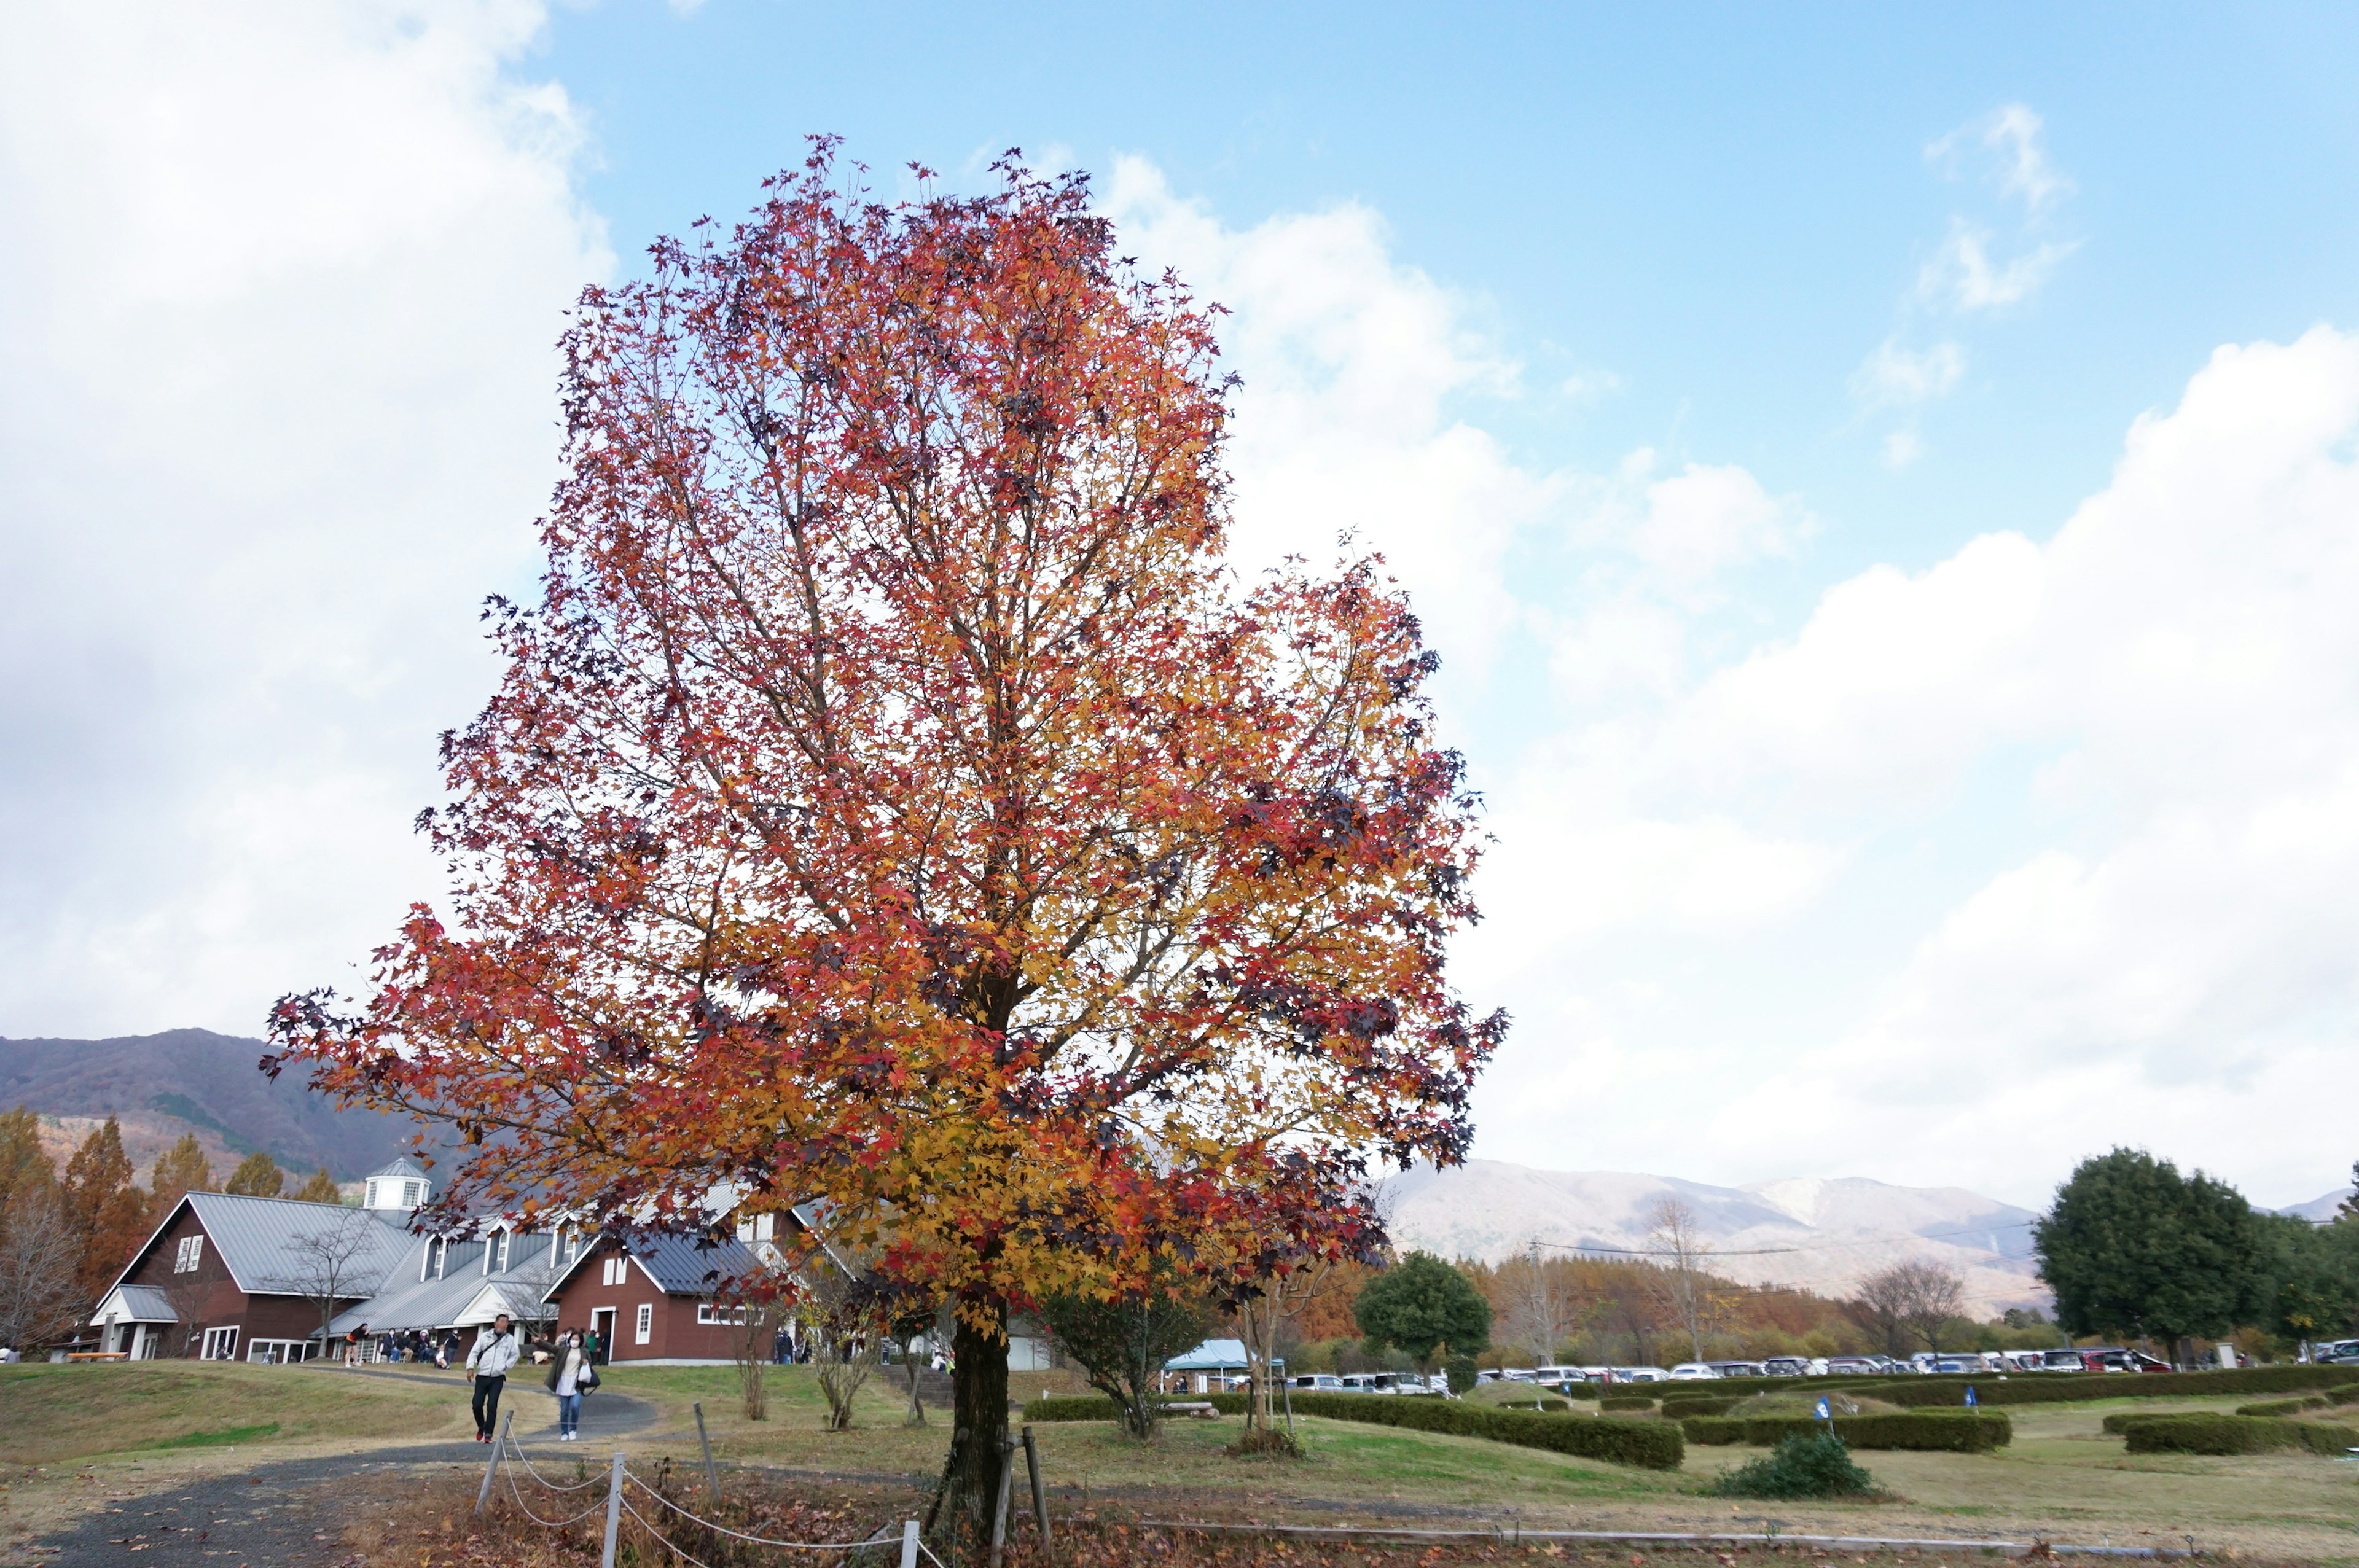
(652,1299)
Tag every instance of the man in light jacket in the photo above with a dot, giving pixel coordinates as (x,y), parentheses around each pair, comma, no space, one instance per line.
(495,1350)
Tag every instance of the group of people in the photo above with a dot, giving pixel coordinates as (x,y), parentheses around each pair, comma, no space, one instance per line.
(572,1361)
(571,1358)
(416,1346)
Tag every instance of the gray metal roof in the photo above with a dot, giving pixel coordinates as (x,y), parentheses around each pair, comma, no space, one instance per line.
(256,1239)
(680,1265)
(136,1304)
(404,1302)
(399,1165)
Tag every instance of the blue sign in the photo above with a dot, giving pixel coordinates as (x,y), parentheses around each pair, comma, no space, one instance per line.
(1824,1414)
(1970,1396)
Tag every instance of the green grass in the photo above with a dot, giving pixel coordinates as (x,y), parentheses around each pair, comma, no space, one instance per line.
(59,1415)
(219,1439)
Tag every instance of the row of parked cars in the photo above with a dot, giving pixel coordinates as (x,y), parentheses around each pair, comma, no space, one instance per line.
(2092,1358)
(2088,1358)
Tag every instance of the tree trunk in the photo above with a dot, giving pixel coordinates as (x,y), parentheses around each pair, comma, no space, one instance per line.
(979,1382)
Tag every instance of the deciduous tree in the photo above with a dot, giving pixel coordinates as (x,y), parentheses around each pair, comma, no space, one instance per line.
(895,800)
(41,1252)
(1675,1240)
(26,1167)
(108,1210)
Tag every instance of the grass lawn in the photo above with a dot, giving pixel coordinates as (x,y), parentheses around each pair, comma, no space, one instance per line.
(122,1427)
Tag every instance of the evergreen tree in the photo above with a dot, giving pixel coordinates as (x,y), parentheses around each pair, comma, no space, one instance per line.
(318,1187)
(256,1176)
(1421,1304)
(108,1210)
(181,1169)
(2131,1244)
(2347,1211)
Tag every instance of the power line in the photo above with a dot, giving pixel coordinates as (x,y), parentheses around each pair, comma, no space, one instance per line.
(1781,1251)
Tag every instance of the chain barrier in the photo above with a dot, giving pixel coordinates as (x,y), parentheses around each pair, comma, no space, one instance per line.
(756,1539)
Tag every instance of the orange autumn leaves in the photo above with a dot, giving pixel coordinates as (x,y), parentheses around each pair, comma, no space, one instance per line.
(896,801)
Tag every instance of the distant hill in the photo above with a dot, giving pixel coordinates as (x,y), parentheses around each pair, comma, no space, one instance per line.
(2322,1209)
(1821,1234)
(161,1086)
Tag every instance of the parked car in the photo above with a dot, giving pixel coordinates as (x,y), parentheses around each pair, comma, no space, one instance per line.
(1785,1367)
(1736,1369)
(1691,1371)
(2336,1353)
(2062,1361)
(1640,1375)
(1316,1382)
(1360,1383)
(1557,1376)
(1852,1366)
(1953,1363)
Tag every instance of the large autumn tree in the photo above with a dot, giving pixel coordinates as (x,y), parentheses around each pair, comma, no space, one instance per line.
(895,800)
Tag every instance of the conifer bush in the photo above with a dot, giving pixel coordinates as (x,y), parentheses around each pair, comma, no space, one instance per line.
(1803,1464)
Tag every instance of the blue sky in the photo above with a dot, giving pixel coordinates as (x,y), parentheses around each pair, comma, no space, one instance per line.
(1882,480)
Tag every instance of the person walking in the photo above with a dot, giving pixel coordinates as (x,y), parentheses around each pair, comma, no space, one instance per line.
(494,1352)
(569,1376)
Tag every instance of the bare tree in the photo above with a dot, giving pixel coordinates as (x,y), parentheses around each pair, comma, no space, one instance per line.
(38,1257)
(337,1263)
(1680,1252)
(847,1317)
(1539,1313)
(1881,1307)
(750,1348)
(1916,1300)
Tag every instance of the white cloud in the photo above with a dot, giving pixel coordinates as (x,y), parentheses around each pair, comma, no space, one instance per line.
(1349,363)
(2164,949)
(1902,448)
(277,311)
(1706,518)
(2021,166)
(1963,274)
(1895,377)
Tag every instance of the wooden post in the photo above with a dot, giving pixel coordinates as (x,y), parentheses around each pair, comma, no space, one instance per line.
(999,1512)
(492,1465)
(1040,1495)
(1287,1388)
(614,1512)
(712,1476)
(909,1543)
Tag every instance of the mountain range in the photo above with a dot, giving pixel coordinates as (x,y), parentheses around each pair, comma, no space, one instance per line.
(1822,1234)
(161,1086)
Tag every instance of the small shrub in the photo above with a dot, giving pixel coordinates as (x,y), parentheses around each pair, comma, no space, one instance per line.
(1627,1402)
(1803,1464)
(1678,1407)
(2283,1407)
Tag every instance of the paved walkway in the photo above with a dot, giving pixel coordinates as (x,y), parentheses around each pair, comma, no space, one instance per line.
(289,1514)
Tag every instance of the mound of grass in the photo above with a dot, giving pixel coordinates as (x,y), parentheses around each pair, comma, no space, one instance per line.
(1813,1464)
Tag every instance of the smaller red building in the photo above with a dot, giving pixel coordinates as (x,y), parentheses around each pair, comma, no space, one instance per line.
(651,1300)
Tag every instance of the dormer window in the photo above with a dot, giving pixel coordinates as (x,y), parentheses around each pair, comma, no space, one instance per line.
(437,1248)
(370,1201)
(495,1253)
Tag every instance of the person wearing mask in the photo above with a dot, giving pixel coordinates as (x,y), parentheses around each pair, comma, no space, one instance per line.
(570,1375)
(496,1351)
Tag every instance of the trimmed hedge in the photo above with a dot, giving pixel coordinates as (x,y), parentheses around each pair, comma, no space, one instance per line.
(1532,1405)
(2206,1434)
(2068,1388)
(1925,1431)
(1678,1407)
(1651,1445)
(1627,1402)
(2284,1407)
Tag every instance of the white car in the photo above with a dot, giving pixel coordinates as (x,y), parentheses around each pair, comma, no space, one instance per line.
(1640,1375)
(1316,1382)
(1691,1371)
(1557,1376)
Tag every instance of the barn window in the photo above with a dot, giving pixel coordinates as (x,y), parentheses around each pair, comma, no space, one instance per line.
(645,1327)
(188,1254)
